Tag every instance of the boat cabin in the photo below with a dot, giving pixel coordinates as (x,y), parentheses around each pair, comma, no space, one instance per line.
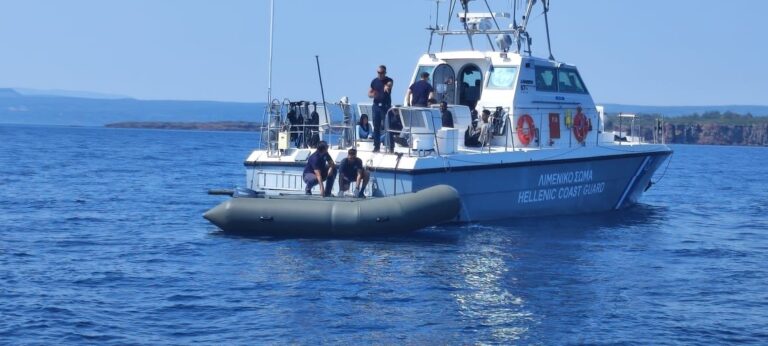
(511,86)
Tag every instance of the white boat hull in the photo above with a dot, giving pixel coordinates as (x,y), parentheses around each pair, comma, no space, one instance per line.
(500,187)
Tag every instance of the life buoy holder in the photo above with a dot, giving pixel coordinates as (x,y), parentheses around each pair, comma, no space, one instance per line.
(525,133)
(581,126)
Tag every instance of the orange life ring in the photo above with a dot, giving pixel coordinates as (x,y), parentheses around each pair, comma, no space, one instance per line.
(525,134)
(580,127)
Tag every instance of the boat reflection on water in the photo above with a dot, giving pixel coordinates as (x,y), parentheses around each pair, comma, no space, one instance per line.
(487,299)
(502,282)
(524,279)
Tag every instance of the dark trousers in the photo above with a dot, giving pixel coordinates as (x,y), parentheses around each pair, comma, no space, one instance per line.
(379,113)
(311,180)
(345,181)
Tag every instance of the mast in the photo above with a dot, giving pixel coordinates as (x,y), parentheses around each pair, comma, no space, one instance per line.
(271,39)
(268,110)
(487,24)
(545,3)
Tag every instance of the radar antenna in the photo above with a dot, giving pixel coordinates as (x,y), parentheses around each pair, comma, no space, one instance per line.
(487,24)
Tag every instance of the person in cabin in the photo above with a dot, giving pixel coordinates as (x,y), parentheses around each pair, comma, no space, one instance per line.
(446,115)
(420,92)
(320,168)
(363,127)
(380,91)
(351,169)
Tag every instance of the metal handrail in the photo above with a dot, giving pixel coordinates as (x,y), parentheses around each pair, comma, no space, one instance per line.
(410,130)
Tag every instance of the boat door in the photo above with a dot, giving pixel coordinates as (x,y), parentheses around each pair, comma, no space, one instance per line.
(470,85)
(444,82)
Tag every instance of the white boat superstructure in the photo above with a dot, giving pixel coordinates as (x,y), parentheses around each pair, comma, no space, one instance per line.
(548,154)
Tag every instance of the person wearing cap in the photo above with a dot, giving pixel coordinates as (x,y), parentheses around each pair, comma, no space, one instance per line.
(320,168)
(420,92)
(381,93)
(351,169)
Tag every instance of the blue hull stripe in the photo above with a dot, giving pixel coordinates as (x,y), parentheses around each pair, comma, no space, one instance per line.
(479,166)
(632,183)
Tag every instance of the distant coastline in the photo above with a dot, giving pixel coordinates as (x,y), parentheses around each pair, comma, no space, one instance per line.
(712,128)
(178,125)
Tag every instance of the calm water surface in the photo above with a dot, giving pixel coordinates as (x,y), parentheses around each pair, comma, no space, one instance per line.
(102,241)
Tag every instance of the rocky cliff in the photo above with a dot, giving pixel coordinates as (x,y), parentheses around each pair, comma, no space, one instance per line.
(756,134)
(710,128)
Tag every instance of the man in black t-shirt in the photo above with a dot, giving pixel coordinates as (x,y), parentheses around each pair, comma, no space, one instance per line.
(420,92)
(447,116)
(320,167)
(381,93)
(351,169)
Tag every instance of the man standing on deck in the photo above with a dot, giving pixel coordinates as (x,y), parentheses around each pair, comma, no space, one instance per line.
(320,167)
(381,93)
(420,92)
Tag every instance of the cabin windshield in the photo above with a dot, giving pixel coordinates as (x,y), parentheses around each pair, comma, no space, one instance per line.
(546,78)
(569,81)
(564,79)
(502,77)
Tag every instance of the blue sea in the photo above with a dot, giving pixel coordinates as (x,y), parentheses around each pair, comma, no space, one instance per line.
(102,242)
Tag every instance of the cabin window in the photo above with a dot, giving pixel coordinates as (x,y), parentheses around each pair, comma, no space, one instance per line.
(569,81)
(444,82)
(422,69)
(470,86)
(546,78)
(502,77)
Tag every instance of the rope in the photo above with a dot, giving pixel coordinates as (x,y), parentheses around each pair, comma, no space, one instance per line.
(665,170)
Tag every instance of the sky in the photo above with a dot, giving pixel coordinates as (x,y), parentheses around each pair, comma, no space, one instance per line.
(650,52)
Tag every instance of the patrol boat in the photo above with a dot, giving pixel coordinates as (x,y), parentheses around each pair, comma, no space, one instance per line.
(549,154)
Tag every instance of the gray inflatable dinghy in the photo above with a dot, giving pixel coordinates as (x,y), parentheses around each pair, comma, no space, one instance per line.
(315,216)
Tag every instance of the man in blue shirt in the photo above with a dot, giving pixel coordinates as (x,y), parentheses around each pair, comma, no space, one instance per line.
(351,169)
(420,92)
(320,167)
(381,93)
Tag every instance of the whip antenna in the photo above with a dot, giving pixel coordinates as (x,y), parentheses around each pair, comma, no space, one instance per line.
(322,92)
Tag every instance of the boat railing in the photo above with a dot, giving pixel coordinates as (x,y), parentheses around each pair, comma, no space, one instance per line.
(296,125)
(501,125)
(414,128)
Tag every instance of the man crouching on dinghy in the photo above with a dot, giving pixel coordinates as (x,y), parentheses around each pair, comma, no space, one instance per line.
(351,169)
(320,168)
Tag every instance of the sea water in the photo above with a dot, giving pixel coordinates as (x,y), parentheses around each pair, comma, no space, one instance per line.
(102,241)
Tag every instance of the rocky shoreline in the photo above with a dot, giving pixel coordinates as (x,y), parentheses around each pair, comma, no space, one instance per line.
(712,128)
(733,130)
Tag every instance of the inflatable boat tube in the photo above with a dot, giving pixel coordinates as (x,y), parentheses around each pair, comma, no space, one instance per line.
(316,216)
